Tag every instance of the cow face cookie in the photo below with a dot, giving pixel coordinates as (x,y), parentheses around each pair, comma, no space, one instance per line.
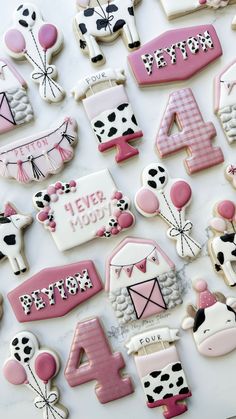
(83,209)
(104,21)
(109,111)
(141,280)
(222,246)
(11,241)
(213,321)
(35,368)
(175,9)
(15,107)
(160,370)
(32,39)
(168,198)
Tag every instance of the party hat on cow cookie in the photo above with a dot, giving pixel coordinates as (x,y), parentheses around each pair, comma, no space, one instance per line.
(212,320)
(221,246)
(12,222)
(168,198)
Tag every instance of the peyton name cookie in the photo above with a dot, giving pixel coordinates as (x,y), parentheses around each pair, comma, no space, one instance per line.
(105,20)
(109,111)
(175,9)
(160,370)
(222,246)
(168,198)
(141,280)
(36,41)
(175,55)
(35,368)
(83,209)
(213,321)
(15,107)
(194,134)
(12,222)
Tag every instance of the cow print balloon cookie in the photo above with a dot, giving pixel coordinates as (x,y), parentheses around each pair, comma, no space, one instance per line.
(168,198)
(35,368)
(32,39)
(12,222)
(105,20)
(213,321)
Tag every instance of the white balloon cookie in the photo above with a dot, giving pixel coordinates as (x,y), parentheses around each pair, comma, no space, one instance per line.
(32,39)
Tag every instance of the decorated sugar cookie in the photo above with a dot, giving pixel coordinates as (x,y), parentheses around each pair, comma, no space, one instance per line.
(36,41)
(105,20)
(160,370)
(222,246)
(35,158)
(54,292)
(175,9)
(168,198)
(194,134)
(103,365)
(35,368)
(175,55)
(213,321)
(83,209)
(230,173)
(109,111)
(141,280)
(12,222)
(15,107)
(1,306)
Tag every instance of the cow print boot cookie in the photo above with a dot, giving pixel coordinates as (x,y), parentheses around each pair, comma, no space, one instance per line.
(160,370)
(212,321)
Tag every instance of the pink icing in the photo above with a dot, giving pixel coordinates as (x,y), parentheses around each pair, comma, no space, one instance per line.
(47,36)
(172,406)
(124,149)
(14,372)
(226,209)
(180,194)
(45,366)
(147,201)
(125,220)
(15,41)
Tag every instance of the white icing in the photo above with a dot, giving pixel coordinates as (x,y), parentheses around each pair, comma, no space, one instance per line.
(7,79)
(228,87)
(175,8)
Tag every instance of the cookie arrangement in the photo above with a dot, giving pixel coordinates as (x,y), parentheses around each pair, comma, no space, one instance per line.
(135,278)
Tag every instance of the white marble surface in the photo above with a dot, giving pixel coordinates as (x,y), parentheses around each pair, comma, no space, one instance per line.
(212,381)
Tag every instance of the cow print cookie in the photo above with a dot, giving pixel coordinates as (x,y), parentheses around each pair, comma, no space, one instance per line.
(36,41)
(160,370)
(109,111)
(105,20)
(175,9)
(168,198)
(222,246)
(11,241)
(35,368)
(213,321)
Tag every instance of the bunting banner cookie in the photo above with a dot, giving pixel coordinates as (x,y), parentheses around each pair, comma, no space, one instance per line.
(168,198)
(174,9)
(35,368)
(83,209)
(175,55)
(109,111)
(15,107)
(105,20)
(36,157)
(36,41)
(213,321)
(160,370)
(141,280)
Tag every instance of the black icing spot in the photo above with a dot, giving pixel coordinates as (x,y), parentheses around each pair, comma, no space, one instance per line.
(119,25)
(122,107)
(154,374)
(111,117)
(152,184)
(165,377)
(177,367)
(89,12)
(158,389)
(15,342)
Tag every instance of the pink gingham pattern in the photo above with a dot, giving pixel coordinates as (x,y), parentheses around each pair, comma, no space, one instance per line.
(196,135)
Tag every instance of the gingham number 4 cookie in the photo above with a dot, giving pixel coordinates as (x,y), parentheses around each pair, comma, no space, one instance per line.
(194,134)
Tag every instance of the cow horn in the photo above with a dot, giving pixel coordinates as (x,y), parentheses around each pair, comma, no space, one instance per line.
(191,310)
(220,297)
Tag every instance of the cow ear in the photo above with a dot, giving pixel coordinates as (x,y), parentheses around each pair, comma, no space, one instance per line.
(9,210)
(4,220)
(220,297)
(83,3)
(187,323)
(231,301)
(191,310)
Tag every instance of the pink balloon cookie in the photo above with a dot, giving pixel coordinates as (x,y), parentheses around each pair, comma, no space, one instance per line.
(194,134)
(54,292)
(175,9)
(83,209)
(35,158)
(12,222)
(105,20)
(141,280)
(168,198)
(32,39)
(35,368)
(213,321)
(103,366)
(15,107)
(160,370)
(109,111)
(175,55)
(222,247)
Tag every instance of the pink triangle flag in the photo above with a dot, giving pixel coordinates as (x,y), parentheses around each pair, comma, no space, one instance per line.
(128,270)
(141,265)
(153,257)
(118,271)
